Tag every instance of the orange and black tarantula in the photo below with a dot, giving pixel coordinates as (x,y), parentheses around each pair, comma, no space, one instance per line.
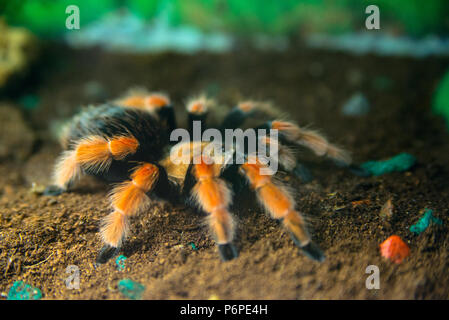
(127,142)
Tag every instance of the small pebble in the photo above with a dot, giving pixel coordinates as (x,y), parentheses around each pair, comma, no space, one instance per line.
(37,188)
(394,249)
(424,222)
(357,105)
(400,163)
(131,289)
(387,210)
(23,291)
(120,262)
(358,203)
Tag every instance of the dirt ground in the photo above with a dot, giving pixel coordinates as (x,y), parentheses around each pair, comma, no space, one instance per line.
(40,236)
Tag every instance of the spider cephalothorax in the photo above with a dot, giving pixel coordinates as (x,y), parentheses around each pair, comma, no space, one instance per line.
(127,142)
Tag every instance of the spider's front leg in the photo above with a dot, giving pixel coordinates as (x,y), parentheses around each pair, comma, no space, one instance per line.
(127,199)
(213,196)
(94,154)
(280,204)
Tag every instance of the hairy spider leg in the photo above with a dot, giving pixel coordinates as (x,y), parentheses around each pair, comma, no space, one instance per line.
(312,140)
(278,201)
(155,103)
(127,198)
(213,196)
(94,154)
(197,110)
(245,110)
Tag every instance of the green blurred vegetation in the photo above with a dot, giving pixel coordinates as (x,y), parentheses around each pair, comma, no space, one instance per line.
(415,17)
(47,17)
(441,98)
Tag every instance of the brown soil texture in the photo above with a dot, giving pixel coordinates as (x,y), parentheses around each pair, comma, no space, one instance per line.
(41,236)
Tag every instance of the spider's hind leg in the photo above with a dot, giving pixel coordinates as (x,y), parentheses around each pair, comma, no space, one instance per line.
(312,140)
(278,201)
(246,110)
(318,144)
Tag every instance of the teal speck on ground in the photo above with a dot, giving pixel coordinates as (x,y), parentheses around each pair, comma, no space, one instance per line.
(401,162)
(424,222)
(131,289)
(22,291)
(193,246)
(120,262)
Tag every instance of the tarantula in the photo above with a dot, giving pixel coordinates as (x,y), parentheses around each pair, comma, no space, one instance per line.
(126,141)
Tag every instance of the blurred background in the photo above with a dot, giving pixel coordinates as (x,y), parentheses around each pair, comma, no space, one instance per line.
(243,18)
(32,31)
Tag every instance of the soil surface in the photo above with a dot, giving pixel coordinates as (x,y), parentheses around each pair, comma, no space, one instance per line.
(41,236)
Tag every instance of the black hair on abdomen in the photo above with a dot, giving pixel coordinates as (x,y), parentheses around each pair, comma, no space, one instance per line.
(111,120)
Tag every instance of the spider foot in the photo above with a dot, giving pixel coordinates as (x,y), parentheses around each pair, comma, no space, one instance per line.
(106,253)
(53,191)
(310,250)
(314,252)
(227,251)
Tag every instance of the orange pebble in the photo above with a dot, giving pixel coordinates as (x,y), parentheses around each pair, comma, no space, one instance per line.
(360,202)
(394,249)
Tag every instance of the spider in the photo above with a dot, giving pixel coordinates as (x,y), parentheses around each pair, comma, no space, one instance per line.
(126,142)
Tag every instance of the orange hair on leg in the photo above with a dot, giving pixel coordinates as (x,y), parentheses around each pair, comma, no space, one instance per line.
(114,228)
(312,140)
(67,169)
(132,102)
(120,147)
(92,153)
(97,152)
(200,105)
(127,199)
(277,201)
(143,100)
(214,197)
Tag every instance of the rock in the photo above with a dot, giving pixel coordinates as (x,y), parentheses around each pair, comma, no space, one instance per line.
(399,163)
(386,212)
(357,105)
(395,249)
(16,138)
(121,262)
(424,222)
(23,291)
(131,289)
(38,169)
(18,49)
